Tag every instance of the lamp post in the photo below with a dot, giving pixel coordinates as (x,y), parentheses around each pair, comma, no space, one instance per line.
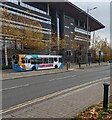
(88,10)
(58,35)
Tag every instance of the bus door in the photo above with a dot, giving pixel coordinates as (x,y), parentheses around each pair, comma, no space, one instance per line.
(28,64)
(15,62)
(56,62)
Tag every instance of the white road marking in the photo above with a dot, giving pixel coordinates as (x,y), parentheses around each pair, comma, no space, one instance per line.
(73,75)
(62,78)
(51,80)
(52,95)
(20,86)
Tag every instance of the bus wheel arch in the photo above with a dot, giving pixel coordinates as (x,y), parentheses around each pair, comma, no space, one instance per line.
(56,66)
(33,68)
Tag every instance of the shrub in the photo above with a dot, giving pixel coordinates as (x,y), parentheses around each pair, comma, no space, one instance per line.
(5,67)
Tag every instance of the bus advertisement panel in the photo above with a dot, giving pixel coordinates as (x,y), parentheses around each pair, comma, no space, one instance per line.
(22,62)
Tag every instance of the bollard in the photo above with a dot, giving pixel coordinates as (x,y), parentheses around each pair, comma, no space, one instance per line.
(105,96)
(79,65)
(67,65)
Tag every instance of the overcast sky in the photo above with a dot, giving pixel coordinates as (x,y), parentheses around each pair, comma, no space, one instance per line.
(102,14)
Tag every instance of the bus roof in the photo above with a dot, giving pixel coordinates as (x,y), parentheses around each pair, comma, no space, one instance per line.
(42,55)
(49,56)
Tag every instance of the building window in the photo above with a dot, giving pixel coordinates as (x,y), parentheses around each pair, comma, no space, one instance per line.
(66,35)
(81,31)
(32,18)
(81,24)
(86,26)
(76,22)
(66,17)
(13,1)
(71,23)
(66,26)
(33,8)
(69,52)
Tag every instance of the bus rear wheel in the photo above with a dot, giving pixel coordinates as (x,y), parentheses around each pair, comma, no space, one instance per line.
(33,68)
(56,66)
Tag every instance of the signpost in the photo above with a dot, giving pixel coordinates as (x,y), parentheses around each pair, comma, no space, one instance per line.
(99,57)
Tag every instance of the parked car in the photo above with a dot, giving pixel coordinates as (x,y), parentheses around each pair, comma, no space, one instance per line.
(110,61)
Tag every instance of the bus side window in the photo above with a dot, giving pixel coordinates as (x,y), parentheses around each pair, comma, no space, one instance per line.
(50,60)
(29,60)
(23,60)
(33,60)
(15,59)
(60,60)
(39,61)
(55,59)
(45,60)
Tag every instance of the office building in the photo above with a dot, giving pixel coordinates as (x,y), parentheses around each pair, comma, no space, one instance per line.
(64,19)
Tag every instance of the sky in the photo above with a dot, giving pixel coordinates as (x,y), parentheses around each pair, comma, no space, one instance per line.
(102,14)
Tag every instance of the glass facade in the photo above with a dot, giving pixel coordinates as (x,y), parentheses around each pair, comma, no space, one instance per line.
(13,1)
(81,31)
(27,6)
(19,12)
(74,26)
(29,15)
(32,8)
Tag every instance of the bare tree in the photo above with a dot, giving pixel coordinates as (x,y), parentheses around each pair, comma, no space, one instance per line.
(103,46)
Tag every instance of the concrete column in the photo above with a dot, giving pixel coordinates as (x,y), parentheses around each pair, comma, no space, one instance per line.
(58,34)
(58,30)
(47,9)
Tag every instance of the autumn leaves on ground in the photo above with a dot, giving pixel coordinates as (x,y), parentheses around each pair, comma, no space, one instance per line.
(95,113)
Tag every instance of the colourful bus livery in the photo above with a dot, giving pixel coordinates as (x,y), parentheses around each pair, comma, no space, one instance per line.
(23,62)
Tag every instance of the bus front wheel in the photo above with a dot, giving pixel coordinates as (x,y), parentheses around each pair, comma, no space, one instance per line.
(33,68)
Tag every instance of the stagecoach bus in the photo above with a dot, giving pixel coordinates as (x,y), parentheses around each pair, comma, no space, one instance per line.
(22,62)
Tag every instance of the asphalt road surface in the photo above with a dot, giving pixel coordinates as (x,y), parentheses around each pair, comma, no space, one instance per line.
(21,90)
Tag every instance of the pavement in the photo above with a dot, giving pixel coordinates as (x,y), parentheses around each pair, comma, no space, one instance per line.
(10,74)
(66,105)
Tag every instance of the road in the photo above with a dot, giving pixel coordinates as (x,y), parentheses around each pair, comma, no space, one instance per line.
(21,90)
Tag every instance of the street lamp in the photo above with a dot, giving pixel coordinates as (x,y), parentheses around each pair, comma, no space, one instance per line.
(58,35)
(88,10)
